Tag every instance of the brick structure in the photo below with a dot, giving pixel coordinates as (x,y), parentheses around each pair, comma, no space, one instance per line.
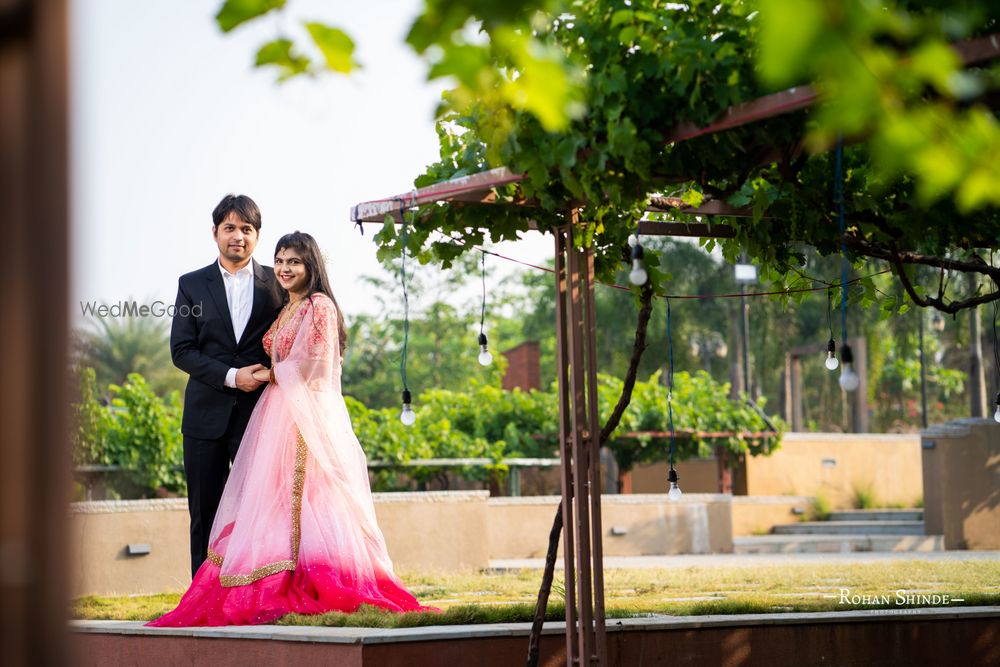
(523,367)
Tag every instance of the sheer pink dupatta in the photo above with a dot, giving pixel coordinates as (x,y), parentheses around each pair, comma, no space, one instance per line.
(296,529)
(298,493)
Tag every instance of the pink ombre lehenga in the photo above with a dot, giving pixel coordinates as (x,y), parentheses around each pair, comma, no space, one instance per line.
(295,530)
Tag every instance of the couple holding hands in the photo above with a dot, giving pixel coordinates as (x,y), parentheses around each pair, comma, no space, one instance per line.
(291,527)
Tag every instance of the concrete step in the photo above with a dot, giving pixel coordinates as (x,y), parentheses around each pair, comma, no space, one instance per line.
(850,528)
(795,544)
(877,515)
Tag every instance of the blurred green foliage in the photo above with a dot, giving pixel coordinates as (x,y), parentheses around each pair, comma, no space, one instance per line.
(137,431)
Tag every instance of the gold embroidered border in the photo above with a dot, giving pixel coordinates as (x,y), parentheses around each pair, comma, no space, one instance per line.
(298,484)
(230,580)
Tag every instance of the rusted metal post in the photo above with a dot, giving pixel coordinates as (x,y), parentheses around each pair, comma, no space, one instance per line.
(593,445)
(579,434)
(565,448)
(580,461)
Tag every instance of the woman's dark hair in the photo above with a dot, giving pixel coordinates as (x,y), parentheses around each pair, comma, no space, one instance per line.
(244,208)
(316,279)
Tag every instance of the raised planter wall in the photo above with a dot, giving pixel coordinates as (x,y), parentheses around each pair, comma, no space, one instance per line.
(430,531)
(434,530)
(634,525)
(969,637)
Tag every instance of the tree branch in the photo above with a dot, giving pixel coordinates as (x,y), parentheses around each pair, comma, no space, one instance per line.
(862,247)
(899,260)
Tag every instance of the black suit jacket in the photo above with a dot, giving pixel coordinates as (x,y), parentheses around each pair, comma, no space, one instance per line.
(203,345)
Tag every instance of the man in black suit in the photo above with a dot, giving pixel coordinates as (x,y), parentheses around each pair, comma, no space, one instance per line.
(222,313)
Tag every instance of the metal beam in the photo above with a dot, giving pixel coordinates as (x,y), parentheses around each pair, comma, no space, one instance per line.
(698,230)
(659,204)
(768,106)
(971,51)
(476,188)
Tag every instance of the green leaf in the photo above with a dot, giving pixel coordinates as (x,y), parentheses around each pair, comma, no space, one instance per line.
(739,199)
(543,87)
(235,13)
(621,16)
(787,35)
(627,34)
(336,46)
(465,62)
(279,54)
(693,198)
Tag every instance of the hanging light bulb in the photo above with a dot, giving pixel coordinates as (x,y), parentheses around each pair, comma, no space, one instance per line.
(485,358)
(675,492)
(831,356)
(996,415)
(407,416)
(849,380)
(638,276)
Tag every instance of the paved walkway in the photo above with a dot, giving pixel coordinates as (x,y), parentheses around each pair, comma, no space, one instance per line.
(751,560)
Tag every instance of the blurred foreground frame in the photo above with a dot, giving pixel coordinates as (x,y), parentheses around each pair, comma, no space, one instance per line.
(34,442)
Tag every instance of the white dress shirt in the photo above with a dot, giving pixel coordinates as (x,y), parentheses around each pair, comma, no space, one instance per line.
(239,295)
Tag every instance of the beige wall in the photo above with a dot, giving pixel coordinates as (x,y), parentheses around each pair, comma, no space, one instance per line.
(699,523)
(835,465)
(693,476)
(100,532)
(435,530)
(961,473)
(756,515)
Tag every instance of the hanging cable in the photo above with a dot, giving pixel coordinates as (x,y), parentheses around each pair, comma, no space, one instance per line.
(838,189)
(485,358)
(849,380)
(407,415)
(675,491)
(996,346)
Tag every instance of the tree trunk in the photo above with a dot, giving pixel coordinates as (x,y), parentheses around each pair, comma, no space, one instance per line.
(977,379)
(724,471)
(735,355)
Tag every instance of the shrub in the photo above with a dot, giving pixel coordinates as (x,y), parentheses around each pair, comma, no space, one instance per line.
(864,498)
(137,431)
(819,509)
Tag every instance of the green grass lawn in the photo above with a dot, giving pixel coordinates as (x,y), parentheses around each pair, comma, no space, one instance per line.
(497,597)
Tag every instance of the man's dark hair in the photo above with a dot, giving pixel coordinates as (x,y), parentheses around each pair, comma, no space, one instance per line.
(244,208)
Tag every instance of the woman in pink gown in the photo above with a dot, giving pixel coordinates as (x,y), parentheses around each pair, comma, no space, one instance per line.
(296,530)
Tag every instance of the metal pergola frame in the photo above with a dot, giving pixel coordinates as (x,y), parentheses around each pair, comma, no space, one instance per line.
(576,364)
(576,357)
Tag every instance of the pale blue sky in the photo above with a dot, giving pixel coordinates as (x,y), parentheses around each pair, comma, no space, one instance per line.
(168,115)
